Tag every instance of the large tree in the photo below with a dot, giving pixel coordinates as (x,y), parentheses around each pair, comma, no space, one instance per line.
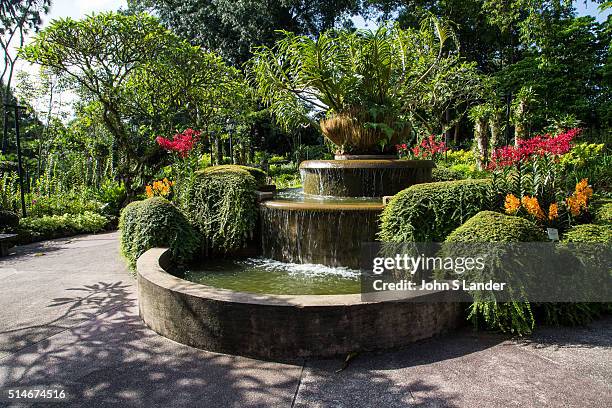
(17,19)
(233,27)
(142,78)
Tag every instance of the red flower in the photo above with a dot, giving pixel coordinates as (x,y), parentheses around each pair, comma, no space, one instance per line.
(538,145)
(181,143)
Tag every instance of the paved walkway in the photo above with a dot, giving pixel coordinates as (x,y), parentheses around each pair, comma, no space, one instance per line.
(68,317)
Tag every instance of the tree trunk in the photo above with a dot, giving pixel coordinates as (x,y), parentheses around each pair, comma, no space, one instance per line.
(218,150)
(495,129)
(519,125)
(480,133)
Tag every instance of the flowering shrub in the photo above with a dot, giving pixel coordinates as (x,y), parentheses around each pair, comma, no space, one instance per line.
(577,202)
(428,149)
(533,169)
(159,188)
(530,148)
(531,205)
(181,143)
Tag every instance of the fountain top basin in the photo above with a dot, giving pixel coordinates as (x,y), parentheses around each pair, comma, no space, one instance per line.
(363,178)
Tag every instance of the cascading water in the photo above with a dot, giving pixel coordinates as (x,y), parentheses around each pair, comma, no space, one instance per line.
(337,211)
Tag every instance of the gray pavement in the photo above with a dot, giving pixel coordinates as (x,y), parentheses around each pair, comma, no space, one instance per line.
(68,317)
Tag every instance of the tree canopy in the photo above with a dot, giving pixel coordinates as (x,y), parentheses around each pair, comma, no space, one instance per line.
(142,78)
(234,27)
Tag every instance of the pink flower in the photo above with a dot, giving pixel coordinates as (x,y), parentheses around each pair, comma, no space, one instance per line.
(181,143)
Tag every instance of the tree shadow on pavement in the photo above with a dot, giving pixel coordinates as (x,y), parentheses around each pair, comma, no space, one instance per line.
(113,358)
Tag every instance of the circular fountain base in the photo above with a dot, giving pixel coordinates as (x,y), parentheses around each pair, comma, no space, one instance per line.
(282,327)
(363,178)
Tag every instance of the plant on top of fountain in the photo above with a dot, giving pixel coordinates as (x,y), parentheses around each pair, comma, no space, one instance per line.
(181,143)
(363,89)
(429,149)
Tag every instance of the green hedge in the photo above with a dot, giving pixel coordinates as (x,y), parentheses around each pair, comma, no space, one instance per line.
(221,205)
(489,226)
(589,233)
(603,211)
(429,212)
(155,222)
(54,226)
(445,174)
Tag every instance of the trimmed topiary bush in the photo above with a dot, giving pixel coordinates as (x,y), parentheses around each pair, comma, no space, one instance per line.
(221,205)
(9,221)
(445,174)
(429,212)
(589,233)
(489,226)
(259,175)
(155,222)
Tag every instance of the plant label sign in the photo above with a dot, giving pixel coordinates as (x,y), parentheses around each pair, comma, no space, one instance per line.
(553,234)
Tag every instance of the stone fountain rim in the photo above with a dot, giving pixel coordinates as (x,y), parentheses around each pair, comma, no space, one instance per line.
(282,328)
(366,164)
(153,264)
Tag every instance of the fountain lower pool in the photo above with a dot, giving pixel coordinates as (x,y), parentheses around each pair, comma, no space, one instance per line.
(261,275)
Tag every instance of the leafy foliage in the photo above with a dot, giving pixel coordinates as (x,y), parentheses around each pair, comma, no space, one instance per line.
(53,226)
(603,211)
(141,78)
(221,205)
(9,221)
(488,226)
(445,174)
(234,27)
(429,212)
(155,222)
(589,233)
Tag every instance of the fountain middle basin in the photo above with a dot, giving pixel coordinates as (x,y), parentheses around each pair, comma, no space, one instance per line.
(303,228)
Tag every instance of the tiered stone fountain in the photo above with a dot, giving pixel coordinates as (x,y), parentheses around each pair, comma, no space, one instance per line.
(325,223)
(337,210)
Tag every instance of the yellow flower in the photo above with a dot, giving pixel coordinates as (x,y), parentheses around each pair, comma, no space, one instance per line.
(149,191)
(512,204)
(578,201)
(553,211)
(533,207)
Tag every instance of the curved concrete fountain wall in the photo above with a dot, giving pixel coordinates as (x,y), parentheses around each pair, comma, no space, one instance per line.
(282,327)
(363,178)
(318,233)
